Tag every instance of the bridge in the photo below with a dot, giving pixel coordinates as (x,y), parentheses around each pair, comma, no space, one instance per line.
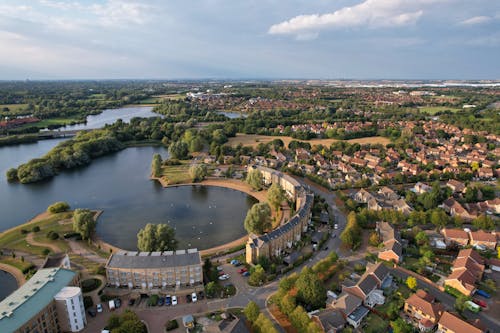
(59,134)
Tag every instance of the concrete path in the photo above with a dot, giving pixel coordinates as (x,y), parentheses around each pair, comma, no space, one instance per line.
(82,251)
(30,239)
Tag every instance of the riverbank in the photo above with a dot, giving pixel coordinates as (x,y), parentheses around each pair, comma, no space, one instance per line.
(16,273)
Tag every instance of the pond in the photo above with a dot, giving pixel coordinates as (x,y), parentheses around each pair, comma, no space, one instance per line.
(8,283)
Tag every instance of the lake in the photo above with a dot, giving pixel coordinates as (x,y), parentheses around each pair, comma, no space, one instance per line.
(8,283)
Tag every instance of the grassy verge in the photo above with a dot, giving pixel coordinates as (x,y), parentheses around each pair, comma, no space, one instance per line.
(23,266)
(177,174)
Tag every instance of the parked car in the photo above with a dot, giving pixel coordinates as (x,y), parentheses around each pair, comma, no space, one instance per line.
(174,300)
(168,300)
(242,270)
(201,295)
(131,302)
(481,303)
(194,298)
(482,293)
(188,298)
(224,277)
(335,226)
(221,273)
(472,306)
(161,300)
(235,262)
(118,302)
(92,312)
(99,307)
(247,273)
(219,268)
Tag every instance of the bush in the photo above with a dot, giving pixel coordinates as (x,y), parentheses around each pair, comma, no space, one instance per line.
(171,325)
(71,234)
(153,300)
(100,270)
(58,207)
(106,298)
(90,284)
(87,302)
(24,231)
(36,229)
(52,235)
(45,252)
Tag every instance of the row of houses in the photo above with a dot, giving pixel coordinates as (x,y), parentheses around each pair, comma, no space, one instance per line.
(384,198)
(282,239)
(463,237)
(467,270)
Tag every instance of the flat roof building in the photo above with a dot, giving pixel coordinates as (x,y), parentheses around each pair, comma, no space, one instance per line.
(33,307)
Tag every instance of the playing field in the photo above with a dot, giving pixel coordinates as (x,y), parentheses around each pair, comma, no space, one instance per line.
(253,140)
(435,109)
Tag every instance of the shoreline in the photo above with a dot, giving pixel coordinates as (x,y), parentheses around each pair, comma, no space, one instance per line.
(16,273)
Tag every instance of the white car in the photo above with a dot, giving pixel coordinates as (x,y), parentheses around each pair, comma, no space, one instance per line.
(174,300)
(99,307)
(224,277)
(194,298)
(335,226)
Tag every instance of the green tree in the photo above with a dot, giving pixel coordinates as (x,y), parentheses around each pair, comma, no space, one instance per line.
(460,303)
(351,236)
(310,289)
(258,218)
(251,311)
(411,282)
(156,165)
(198,172)
(421,238)
(254,179)
(178,150)
(257,276)
(483,222)
(58,207)
(156,237)
(374,239)
(400,326)
(211,289)
(84,222)
(12,175)
(439,218)
(275,196)
(264,324)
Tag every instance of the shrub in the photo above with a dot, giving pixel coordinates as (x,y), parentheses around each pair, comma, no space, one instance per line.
(36,229)
(71,234)
(171,325)
(153,300)
(87,302)
(45,252)
(52,235)
(90,284)
(58,207)
(24,231)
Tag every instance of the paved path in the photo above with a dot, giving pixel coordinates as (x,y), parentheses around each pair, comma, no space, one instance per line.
(30,239)
(80,250)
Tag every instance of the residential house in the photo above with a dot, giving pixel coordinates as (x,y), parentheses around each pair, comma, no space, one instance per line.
(393,250)
(450,323)
(422,309)
(468,268)
(455,236)
(456,186)
(454,208)
(330,320)
(363,196)
(483,240)
(421,188)
(369,286)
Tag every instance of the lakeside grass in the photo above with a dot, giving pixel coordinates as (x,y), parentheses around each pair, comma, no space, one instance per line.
(13,108)
(177,174)
(44,123)
(16,262)
(253,140)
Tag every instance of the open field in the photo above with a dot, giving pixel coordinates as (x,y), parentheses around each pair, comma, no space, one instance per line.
(47,122)
(176,174)
(435,109)
(172,96)
(14,108)
(253,140)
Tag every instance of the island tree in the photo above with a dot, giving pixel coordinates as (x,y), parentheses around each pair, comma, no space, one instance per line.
(156,237)
(58,207)
(275,196)
(156,165)
(258,218)
(254,179)
(84,222)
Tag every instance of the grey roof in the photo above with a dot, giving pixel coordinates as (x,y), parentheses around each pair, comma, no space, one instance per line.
(292,258)
(154,259)
(359,314)
(331,319)
(367,284)
(347,303)
(379,270)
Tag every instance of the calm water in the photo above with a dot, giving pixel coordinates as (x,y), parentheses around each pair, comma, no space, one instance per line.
(119,185)
(109,116)
(8,283)
(233,114)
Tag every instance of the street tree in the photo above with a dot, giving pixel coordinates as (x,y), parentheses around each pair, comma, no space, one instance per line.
(254,179)
(258,218)
(411,282)
(257,276)
(251,311)
(275,196)
(310,289)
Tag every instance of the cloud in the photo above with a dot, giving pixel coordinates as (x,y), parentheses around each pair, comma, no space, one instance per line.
(370,13)
(476,20)
(117,12)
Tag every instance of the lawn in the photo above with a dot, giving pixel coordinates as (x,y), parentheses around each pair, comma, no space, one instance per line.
(48,122)
(150,100)
(173,97)
(177,174)
(13,108)
(375,324)
(253,140)
(432,110)
(17,263)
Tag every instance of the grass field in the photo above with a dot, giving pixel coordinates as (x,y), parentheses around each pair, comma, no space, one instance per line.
(13,108)
(17,263)
(47,122)
(253,140)
(171,96)
(177,174)
(435,109)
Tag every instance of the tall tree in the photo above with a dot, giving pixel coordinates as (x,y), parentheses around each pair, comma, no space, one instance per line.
(156,165)
(310,289)
(258,218)
(84,222)
(275,196)
(251,311)
(254,179)
(198,172)
(156,237)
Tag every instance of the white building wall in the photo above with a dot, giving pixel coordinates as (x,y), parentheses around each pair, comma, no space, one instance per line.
(72,299)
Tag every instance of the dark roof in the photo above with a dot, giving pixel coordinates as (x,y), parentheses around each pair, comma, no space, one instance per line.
(331,319)
(54,261)
(154,259)
(292,258)
(367,284)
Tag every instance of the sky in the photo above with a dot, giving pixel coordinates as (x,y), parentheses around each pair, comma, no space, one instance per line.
(250,39)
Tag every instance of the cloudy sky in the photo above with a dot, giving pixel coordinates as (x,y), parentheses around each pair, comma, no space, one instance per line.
(168,39)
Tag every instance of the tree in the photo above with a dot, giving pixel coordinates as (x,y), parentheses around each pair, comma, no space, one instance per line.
(460,305)
(211,289)
(374,239)
(258,218)
(156,237)
(156,165)
(421,238)
(84,222)
(127,322)
(483,222)
(310,289)
(411,282)
(254,179)
(439,218)
(12,175)
(179,150)
(275,196)
(58,207)
(257,276)
(198,172)
(400,326)
(351,236)
(251,311)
